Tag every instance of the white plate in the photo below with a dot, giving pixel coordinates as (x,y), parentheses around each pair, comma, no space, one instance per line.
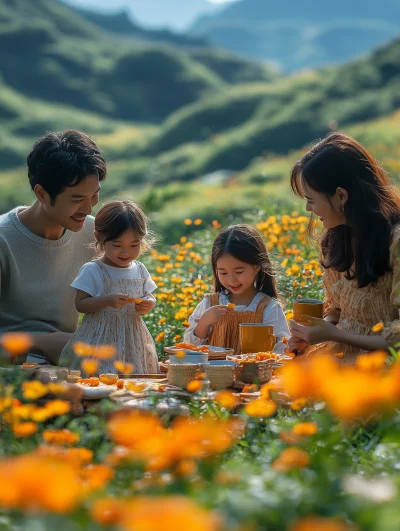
(95,393)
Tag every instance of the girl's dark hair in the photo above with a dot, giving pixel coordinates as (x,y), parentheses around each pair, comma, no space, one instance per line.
(116,217)
(246,244)
(63,159)
(361,247)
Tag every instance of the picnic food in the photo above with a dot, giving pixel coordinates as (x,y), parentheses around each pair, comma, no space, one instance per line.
(108,378)
(73,378)
(120,384)
(93,381)
(189,346)
(231,306)
(137,301)
(256,357)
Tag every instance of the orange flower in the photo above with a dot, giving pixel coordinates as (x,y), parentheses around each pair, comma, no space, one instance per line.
(305,428)
(373,361)
(216,224)
(266,390)
(59,489)
(124,368)
(197,221)
(82,349)
(24,429)
(187,221)
(378,327)
(107,511)
(260,408)
(96,476)
(289,459)
(320,523)
(298,404)
(168,512)
(105,352)
(90,366)
(160,337)
(16,343)
(186,467)
(226,399)
(194,386)
(180,354)
(60,437)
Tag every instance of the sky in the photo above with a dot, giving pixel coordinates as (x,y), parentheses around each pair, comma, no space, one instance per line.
(174,14)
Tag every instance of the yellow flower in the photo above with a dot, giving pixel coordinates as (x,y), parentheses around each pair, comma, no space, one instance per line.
(89,366)
(107,511)
(162,321)
(378,327)
(180,354)
(188,221)
(34,390)
(58,407)
(197,221)
(305,428)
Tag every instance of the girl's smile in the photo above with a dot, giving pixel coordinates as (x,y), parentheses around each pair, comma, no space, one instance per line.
(237,277)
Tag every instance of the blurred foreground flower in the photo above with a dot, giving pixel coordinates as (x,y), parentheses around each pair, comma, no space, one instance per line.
(319,523)
(169,513)
(291,458)
(16,343)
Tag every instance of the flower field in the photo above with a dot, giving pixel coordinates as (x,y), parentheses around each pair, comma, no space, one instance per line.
(316,450)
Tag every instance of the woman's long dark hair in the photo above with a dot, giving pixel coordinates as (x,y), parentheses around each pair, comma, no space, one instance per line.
(360,247)
(246,244)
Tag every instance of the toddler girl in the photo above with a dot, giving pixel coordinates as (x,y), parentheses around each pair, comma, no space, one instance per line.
(242,276)
(106,288)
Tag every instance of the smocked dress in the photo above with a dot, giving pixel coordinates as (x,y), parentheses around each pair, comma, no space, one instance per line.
(359,309)
(121,327)
(225,333)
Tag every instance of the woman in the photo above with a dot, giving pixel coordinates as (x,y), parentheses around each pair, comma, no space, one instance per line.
(360,250)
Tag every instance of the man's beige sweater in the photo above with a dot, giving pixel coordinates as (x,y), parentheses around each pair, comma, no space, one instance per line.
(35,276)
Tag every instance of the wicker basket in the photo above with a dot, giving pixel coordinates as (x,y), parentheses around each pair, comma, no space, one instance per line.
(181,374)
(220,376)
(254,372)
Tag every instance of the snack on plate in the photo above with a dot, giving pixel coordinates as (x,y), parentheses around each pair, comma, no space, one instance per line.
(255,358)
(91,382)
(120,384)
(189,346)
(108,378)
(27,365)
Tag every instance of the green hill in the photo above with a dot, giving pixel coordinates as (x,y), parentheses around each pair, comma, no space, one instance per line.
(60,57)
(299,35)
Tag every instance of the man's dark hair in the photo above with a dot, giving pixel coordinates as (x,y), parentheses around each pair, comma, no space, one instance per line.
(63,159)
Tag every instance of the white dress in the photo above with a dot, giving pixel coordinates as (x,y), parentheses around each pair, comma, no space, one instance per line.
(273,316)
(121,327)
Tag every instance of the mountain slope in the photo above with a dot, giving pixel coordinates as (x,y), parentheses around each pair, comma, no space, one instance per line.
(304,34)
(62,58)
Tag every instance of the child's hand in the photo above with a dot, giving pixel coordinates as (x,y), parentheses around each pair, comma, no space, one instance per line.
(214,315)
(145,306)
(118,300)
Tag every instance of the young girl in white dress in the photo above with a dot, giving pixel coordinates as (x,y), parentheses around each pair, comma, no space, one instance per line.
(105,289)
(242,276)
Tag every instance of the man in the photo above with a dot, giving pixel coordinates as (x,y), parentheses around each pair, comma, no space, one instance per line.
(43,246)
